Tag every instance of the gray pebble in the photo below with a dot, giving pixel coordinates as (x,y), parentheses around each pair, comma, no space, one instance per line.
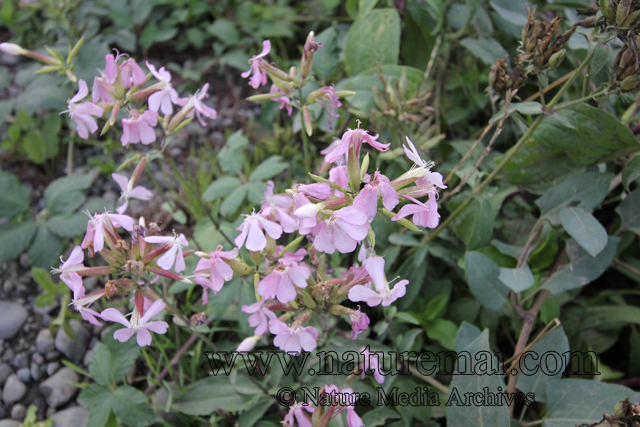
(5,371)
(37,358)
(57,389)
(72,417)
(9,423)
(24,261)
(44,341)
(87,356)
(51,355)
(24,375)
(46,320)
(13,317)
(13,389)
(35,372)
(73,349)
(52,367)
(18,412)
(20,360)
(50,412)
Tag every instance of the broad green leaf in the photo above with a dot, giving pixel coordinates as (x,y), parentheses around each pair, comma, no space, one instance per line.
(233,201)
(466,335)
(517,279)
(372,39)
(326,60)
(45,92)
(110,361)
(129,404)
(34,147)
(444,331)
(407,318)
(65,195)
(582,268)
(231,157)
(582,402)
(631,172)
(462,414)
(544,254)
(68,225)
(45,249)
(379,417)
(220,187)
(487,50)
(225,31)
(15,239)
(97,400)
(255,191)
(585,229)
(403,240)
(435,306)
(535,380)
(14,197)
(608,316)
(269,168)
(516,14)
(208,395)
(475,225)
(629,211)
(42,278)
(587,134)
(586,190)
(365,6)
(484,282)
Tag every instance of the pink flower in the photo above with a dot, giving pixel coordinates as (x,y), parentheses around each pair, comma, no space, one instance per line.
(251,231)
(342,231)
(211,273)
(174,254)
(102,91)
(197,106)
(129,191)
(139,127)
(81,302)
(372,362)
(82,113)
(319,190)
(425,215)
(283,100)
(367,199)
(339,176)
(260,316)
(329,102)
(259,77)
(383,294)
(162,99)
(281,280)
(296,411)
(278,206)
(359,322)
(131,74)
(353,420)
(354,138)
(140,325)
(73,264)
(111,68)
(308,217)
(293,339)
(96,225)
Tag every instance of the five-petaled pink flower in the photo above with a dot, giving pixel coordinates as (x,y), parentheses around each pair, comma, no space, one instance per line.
(259,75)
(343,401)
(278,207)
(195,105)
(211,272)
(73,264)
(96,225)
(367,199)
(359,322)
(174,254)
(139,127)
(341,231)
(251,231)
(81,302)
(329,101)
(260,316)
(425,215)
(102,90)
(140,325)
(296,414)
(354,138)
(293,339)
(279,283)
(383,293)
(131,74)
(82,113)
(129,191)
(163,99)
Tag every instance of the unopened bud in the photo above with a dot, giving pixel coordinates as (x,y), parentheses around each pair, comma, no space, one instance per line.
(48,69)
(353,169)
(622,409)
(248,344)
(557,58)
(138,171)
(263,97)
(275,72)
(630,83)
(12,49)
(199,319)
(74,51)
(607,7)
(114,113)
(364,167)
(624,7)
(306,116)
(344,93)
(310,46)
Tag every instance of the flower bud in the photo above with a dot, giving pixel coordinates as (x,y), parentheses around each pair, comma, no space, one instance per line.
(239,268)
(114,113)
(275,72)
(12,49)
(557,58)
(630,83)
(199,319)
(264,97)
(353,169)
(310,46)
(344,93)
(364,167)
(248,344)
(308,126)
(622,409)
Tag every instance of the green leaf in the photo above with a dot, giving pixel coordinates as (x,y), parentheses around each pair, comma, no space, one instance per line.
(527,108)
(231,157)
(585,229)
(535,382)
(129,405)
(407,318)
(269,168)
(365,6)
(45,249)
(435,306)
(34,147)
(631,172)
(462,415)
(484,283)
(66,194)
(110,364)
(208,395)
(544,255)
(233,201)
(43,278)
(326,60)
(379,417)
(579,402)
(583,268)
(14,198)
(225,31)
(608,316)
(587,134)
(220,187)
(475,225)
(586,190)
(444,331)
(487,50)
(517,279)
(68,225)
(372,39)
(15,239)
(466,335)
(255,191)
(403,240)
(97,400)
(629,211)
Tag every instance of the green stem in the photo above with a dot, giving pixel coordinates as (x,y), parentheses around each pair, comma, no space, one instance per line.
(305,137)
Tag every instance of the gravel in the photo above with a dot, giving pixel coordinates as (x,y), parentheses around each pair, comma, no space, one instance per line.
(5,371)
(72,417)
(13,390)
(18,412)
(13,317)
(44,341)
(57,389)
(73,349)
(24,375)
